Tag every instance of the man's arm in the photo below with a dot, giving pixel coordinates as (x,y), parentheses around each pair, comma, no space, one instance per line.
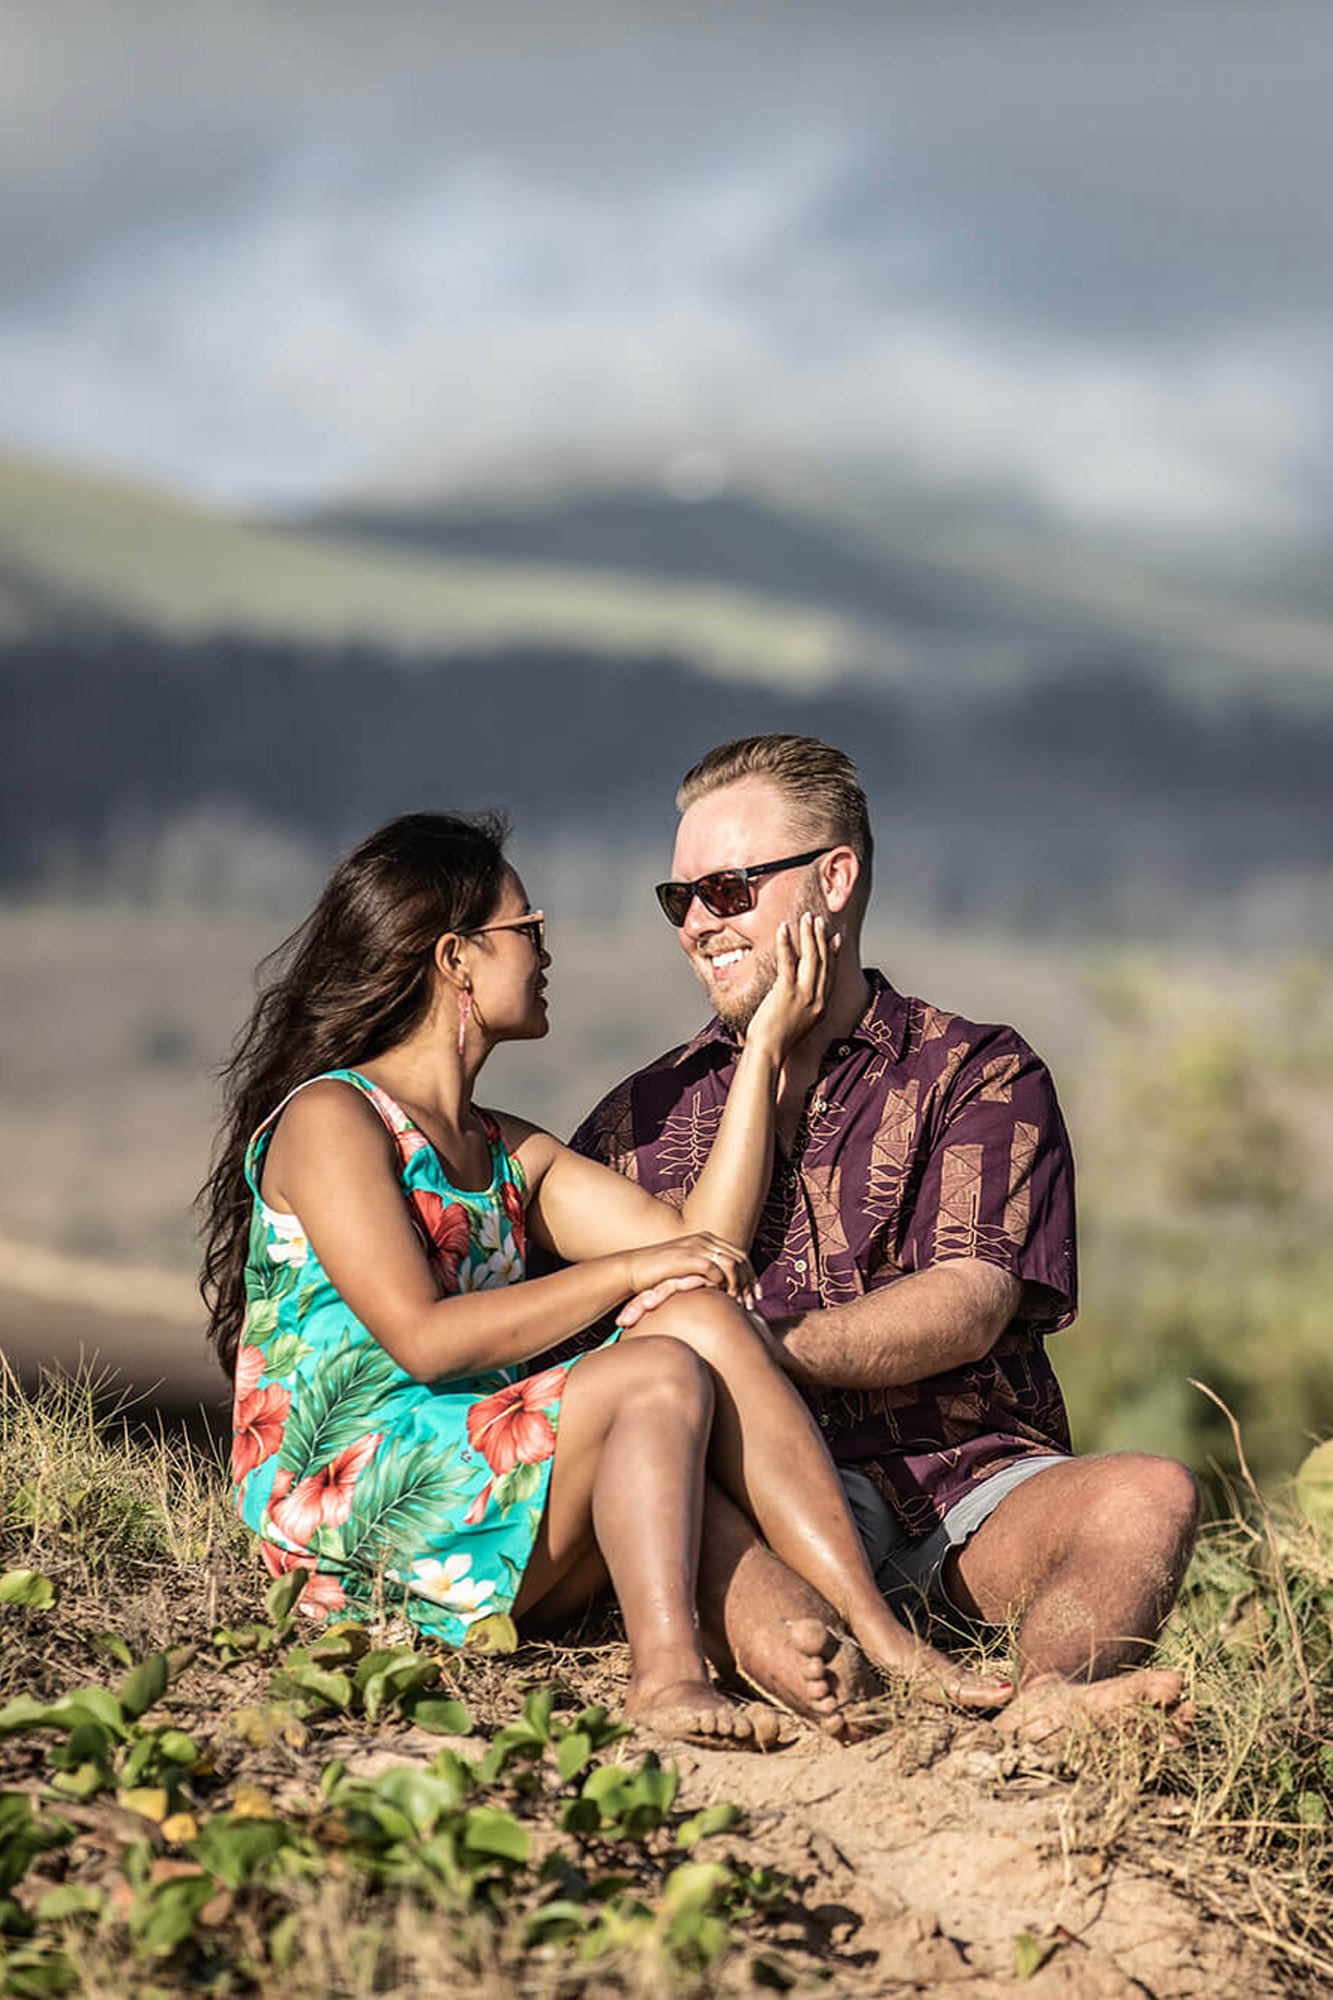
(923,1324)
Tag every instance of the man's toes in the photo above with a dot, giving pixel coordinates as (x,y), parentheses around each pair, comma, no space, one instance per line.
(811,1636)
(818,1690)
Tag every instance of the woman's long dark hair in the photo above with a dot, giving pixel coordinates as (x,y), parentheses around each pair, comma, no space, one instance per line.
(354,980)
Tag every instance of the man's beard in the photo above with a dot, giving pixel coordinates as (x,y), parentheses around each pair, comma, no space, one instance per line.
(737,1010)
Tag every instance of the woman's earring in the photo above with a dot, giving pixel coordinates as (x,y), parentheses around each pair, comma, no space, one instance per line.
(464,1015)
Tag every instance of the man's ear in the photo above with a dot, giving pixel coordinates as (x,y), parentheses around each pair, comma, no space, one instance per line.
(841,872)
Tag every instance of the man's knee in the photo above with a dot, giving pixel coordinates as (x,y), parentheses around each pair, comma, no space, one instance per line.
(1140,1502)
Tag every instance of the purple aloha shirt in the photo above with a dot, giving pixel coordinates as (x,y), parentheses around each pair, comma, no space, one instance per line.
(927,1138)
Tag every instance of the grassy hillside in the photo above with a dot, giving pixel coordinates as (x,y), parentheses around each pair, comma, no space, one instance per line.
(788,590)
(962,587)
(182,569)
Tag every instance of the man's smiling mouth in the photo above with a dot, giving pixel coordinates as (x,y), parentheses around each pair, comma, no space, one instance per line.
(722,961)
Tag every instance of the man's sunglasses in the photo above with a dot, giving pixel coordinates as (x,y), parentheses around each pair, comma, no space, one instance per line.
(726,892)
(533,926)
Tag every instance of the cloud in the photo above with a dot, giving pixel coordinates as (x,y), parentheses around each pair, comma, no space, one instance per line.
(272,252)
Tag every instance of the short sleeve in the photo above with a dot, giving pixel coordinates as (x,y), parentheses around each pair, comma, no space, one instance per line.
(998,1179)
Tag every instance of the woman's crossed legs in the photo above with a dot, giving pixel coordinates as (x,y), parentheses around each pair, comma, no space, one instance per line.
(693,1389)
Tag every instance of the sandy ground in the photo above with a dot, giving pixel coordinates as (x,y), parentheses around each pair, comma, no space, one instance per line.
(934,1859)
(943,1851)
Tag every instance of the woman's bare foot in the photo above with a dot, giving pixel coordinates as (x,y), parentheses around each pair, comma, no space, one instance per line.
(698,1713)
(1046,1707)
(808,1668)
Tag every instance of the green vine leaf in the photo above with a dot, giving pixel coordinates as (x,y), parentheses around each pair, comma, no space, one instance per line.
(27,1587)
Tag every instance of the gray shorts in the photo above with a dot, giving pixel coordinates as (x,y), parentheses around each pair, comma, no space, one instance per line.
(909,1569)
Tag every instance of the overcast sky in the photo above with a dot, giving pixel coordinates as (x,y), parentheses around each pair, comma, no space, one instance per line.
(275,250)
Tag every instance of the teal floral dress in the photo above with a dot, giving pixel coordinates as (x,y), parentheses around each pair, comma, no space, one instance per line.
(399,1495)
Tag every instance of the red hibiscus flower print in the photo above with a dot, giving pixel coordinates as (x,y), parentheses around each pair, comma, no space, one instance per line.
(511,1427)
(257,1426)
(323,1498)
(446,1231)
(322,1593)
(408,1138)
(249,1368)
(513,1208)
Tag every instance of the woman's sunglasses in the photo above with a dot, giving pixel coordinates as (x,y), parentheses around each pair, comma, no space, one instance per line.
(727,891)
(533,926)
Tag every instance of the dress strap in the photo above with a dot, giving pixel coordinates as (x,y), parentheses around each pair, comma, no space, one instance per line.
(393,1115)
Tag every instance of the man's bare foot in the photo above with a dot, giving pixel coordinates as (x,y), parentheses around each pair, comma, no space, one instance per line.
(1046,1707)
(808,1668)
(697,1713)
(934,1675)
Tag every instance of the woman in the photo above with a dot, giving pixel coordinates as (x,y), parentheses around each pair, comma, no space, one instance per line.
(365,1234)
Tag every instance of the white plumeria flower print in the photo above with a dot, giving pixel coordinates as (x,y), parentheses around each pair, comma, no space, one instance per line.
(448,1584)
(489,1227)
(504,1267)
(287,1241)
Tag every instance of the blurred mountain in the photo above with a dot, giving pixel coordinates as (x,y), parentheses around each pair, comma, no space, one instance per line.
(1053,737)
(844,578)
(75,545)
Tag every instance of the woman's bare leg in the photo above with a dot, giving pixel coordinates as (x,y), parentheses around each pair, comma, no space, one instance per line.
(627,1480)
(768,1455)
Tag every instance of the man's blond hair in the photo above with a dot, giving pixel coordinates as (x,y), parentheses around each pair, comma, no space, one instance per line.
(821,786)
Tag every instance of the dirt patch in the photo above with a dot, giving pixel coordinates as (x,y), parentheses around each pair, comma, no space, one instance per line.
(936,1857)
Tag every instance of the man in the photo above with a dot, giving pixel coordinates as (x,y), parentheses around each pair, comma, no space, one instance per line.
(915,1249)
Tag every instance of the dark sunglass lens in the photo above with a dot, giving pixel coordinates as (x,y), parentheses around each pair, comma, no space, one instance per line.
(675,899)
(726,893)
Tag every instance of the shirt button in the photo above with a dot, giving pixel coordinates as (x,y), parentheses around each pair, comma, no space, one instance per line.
(819,1104)
(825,1420)
(844,1048)
(799,1265)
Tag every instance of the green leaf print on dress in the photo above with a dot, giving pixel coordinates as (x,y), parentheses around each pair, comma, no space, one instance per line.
(337,1403)
(404,1495)
(344,1461)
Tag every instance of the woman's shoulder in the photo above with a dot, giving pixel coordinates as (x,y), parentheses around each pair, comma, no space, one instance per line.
(332,1109)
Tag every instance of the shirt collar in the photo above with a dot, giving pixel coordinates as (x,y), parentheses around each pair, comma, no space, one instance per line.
(883,1026)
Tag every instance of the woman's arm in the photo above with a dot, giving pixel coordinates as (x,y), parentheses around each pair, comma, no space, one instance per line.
(580,1209)
(332,1164)
(728,1196)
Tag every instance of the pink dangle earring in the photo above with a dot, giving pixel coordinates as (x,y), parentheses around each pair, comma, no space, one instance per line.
(464,1015)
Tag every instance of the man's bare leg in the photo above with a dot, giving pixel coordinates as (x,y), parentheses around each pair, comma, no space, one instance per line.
(767,1624)
(767,1454)
(1087,1558)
